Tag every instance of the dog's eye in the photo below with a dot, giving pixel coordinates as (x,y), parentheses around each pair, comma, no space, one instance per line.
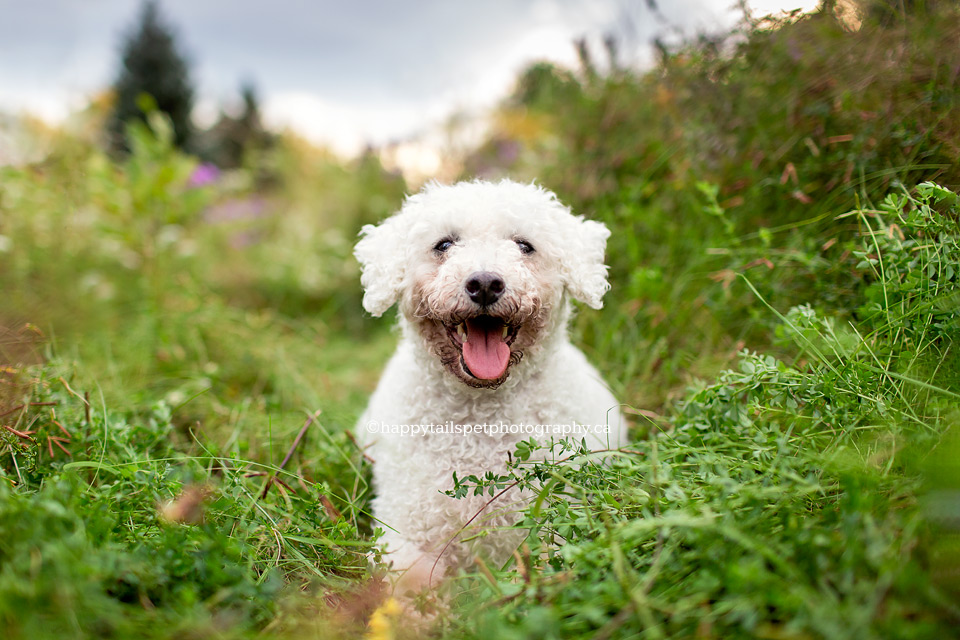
(525,247)
(443,245)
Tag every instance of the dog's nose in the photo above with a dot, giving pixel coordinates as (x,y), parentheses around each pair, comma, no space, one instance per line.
(484,287)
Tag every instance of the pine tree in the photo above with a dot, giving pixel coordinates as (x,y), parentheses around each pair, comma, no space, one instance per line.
(228,143)
(152,65)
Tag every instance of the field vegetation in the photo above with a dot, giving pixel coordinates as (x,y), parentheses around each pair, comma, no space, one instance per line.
(183,355)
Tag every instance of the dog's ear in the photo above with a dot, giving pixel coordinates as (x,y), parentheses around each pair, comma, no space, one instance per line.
(380,252)
(581,265)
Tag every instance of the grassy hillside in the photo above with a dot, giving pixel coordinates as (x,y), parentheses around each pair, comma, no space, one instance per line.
(183,362)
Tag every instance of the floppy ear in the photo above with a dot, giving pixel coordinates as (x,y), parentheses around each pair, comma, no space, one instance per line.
(582,266)
(380,252)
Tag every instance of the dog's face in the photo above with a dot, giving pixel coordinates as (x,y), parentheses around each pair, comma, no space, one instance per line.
(480,270)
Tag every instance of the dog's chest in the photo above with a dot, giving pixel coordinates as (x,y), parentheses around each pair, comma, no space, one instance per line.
(505,411)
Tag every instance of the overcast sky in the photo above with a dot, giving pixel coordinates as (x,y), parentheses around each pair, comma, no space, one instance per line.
(342,73)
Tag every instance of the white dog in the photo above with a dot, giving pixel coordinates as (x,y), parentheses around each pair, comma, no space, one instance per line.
(483,274)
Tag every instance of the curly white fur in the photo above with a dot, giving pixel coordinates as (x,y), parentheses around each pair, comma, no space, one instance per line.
(422,257)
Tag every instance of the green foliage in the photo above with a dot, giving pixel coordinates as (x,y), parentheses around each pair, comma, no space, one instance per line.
(119,531)
(783,327)
(776,501)
(194,392)
(792,496)
(736,154)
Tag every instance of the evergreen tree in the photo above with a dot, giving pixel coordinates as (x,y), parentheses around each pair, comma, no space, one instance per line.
(250,118)
(152,65)
(238,140)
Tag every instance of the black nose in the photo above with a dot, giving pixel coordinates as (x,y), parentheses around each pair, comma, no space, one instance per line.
(484,287)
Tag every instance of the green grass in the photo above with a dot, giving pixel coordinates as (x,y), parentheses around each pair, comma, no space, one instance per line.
(92,545)
(777,501)
(785,340)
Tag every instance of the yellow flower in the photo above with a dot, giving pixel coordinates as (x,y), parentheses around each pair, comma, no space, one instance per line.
(381,626)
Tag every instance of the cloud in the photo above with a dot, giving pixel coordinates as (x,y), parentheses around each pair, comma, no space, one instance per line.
(346,128)
(344,73)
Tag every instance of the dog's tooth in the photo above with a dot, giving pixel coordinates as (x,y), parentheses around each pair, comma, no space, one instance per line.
(462,332)
(505,331)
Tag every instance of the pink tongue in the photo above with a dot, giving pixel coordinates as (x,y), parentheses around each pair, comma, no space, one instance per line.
(485,352)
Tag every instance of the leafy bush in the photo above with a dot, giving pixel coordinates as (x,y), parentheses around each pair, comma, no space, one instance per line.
(779,500)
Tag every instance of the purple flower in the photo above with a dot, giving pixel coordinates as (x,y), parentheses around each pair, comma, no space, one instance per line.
(203,175)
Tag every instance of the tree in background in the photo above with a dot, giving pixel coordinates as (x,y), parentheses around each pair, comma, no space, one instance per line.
(152,65)
(233,139)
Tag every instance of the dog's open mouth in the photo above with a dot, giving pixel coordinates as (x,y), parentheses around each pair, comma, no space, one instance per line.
(484,342)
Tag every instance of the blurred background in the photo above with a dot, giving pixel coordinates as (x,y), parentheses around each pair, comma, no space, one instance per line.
(176,153)
(181,186)
(344,77)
